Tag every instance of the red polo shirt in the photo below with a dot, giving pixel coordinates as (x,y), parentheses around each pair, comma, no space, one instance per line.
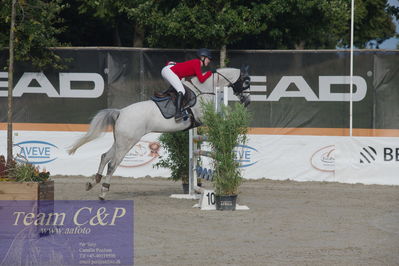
(190,68)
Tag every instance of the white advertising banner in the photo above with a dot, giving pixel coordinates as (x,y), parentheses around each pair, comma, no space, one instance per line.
(281,157)
(48,149)
(367,160)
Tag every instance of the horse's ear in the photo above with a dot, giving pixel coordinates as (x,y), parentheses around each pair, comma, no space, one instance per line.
(245,69)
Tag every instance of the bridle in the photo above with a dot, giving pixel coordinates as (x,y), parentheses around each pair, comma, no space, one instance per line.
(239,87)
(242,84)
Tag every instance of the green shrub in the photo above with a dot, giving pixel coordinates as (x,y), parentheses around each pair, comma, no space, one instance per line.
(176,158)
(226,129)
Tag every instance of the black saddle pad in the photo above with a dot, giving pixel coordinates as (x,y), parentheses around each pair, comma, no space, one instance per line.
(167,99)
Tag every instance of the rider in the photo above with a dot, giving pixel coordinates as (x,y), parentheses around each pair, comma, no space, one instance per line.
(175,72)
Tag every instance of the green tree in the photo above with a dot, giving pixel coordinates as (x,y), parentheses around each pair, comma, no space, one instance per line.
(84,27)
(300,24)
(37,25)
(274,24)
(220,24)
(117,12)
(373,21)
(28,29)
(315,24)
(205,23)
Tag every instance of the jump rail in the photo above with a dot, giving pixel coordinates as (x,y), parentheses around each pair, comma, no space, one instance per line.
(194,170)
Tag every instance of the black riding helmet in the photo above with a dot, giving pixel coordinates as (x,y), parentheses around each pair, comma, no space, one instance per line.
(205,53)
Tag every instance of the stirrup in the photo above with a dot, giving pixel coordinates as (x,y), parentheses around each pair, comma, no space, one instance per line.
(178,116)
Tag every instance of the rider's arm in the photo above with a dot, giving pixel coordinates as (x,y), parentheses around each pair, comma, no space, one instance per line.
(198,73)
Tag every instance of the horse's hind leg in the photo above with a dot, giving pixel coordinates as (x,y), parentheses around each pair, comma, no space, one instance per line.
(105,158)
(119,153)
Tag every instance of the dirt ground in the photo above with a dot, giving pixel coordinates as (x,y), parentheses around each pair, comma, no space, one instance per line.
(289,223)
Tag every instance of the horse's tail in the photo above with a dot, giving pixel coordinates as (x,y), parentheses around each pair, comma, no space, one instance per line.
(98,125)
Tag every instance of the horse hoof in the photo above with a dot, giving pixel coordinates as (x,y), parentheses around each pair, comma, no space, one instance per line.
(104,191)
(88,186)
(98,178)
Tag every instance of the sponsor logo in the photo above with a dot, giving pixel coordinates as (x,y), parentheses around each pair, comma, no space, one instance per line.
(325,93)
(391,154)
(35,152)
(244,155)
(141,154)
(323,159)
(94,83)
(369,154)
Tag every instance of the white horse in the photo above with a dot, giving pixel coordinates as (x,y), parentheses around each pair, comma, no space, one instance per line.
(131,123)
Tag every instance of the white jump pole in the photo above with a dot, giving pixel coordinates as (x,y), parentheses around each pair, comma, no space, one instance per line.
(191,162)
(351,69)
(193,188)
(226,96)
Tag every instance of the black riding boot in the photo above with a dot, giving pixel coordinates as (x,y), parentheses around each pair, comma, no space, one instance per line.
(179,115)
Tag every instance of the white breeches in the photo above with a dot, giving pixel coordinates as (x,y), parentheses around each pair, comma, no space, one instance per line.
(173,79)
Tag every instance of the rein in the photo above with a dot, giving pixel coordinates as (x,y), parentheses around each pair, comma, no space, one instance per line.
(213,85)
(230,84)
(200,92)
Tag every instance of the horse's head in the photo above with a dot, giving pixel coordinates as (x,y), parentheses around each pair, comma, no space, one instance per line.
(242,86)
(237,79)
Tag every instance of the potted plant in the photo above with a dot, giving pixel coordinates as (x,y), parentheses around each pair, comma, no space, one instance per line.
(226,130)
(24,181)
(176,159)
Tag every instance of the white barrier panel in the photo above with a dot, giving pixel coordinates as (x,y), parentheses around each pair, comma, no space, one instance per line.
(48,149)
(367,160)
(279,157)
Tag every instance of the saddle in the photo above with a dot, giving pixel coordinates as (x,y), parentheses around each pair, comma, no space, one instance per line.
(166,102)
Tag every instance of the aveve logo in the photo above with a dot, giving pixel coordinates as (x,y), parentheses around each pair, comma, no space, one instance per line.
(35,152)
(244,155)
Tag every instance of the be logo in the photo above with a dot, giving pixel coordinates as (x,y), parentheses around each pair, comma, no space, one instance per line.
(369,154)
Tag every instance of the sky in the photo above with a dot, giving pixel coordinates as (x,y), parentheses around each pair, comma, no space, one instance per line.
(392,42)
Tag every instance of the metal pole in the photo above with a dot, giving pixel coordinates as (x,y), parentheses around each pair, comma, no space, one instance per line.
(190,163)
(226,96)
(351,69)
(10,83)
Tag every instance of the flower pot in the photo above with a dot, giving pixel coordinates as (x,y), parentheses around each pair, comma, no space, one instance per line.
(27,190)
(226,202)
(39,196)
(185,188)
